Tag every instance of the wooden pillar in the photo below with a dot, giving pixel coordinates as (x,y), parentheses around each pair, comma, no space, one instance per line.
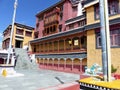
(39,47)
(47,62)
(65,63)
(53,62)
(47,47)
(72,64)
(58,46)
(43,63)
(71,44)
(53,46)
(43,47)
(64,45)
(58,62)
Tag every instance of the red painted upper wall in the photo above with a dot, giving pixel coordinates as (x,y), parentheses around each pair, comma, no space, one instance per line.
(66,9)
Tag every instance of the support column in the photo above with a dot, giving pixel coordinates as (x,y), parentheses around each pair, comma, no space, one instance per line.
(58,46)
(47,47)
(64,63)
(64,45)
(53,46)
(58,63)
(81,65)
(53,62)
(4,60)
(43,47)
(47,62)
(71,45)
(72,64)
(43,62)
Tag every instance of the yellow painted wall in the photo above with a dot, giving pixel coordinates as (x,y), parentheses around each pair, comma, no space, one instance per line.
(94,55)
(13,39)
(90,16)
(26,38)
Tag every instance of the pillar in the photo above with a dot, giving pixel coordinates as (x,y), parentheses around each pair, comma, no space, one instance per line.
(58,62)
(53,62)
(81,65)
(64,45)
(47,62)
(43,62)
(72,63)
(58,46)
(64,63)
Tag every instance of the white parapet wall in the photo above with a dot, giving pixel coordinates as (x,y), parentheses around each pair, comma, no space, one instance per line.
(10,72)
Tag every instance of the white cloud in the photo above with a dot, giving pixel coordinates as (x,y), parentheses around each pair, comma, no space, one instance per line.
(1,35)
(0,45)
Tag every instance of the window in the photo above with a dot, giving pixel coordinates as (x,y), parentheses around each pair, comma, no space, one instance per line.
(74,9)
(40,18)
(71,26)
(61,16)
(51,29)
(28,34)
(113,8)
(81,23)
(48,30)
(19,31)
(37,25)
(60,28)
(97,14)
(99,40)
(54,28)
(114,38)
(61,8)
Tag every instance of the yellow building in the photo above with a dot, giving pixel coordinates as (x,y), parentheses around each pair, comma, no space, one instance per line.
(94,54)
(21,36)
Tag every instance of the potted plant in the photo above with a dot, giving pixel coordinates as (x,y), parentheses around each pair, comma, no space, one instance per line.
(113,70)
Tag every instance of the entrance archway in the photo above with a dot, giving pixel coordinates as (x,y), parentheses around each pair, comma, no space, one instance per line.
(61,64)
(76,65)
(68,64)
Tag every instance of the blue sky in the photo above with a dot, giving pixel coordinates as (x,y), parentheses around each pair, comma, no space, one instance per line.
(26,11)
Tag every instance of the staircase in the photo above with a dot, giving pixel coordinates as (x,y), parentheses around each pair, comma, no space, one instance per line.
(23,60)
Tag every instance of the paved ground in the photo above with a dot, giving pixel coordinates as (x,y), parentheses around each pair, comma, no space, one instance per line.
(36,79)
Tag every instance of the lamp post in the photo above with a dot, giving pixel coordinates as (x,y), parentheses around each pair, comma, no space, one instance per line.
(105,36)
(12,30)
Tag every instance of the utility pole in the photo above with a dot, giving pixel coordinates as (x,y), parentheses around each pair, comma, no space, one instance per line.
(12,30)
(105,36)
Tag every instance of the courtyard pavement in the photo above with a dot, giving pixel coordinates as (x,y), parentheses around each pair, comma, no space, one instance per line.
(36,80)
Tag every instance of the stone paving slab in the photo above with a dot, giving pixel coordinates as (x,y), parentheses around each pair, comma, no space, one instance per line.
(35,80)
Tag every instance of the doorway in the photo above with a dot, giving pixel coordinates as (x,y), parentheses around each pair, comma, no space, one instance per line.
(18,44)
